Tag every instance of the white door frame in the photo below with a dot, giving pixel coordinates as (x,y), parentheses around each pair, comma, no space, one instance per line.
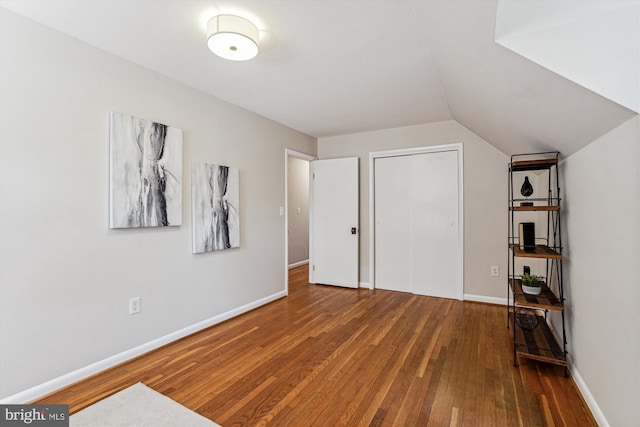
(297,154)
(372,233)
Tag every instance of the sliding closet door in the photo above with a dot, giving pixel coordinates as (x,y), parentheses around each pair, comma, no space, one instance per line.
(393,215)
(417,223)
(435,224)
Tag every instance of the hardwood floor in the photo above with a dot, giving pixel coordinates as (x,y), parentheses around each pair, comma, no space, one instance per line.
(327,356)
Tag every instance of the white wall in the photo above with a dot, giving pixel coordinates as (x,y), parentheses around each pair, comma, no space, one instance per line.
(65,277)
(601,215)
(485,195)
(566,36)
(298,200)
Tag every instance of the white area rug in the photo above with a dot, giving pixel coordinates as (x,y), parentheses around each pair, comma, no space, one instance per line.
(138,406)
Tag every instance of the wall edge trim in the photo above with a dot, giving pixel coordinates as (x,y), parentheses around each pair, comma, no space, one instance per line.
(485,299)
(50,386)
(298,264)
(582,385)
(586,394)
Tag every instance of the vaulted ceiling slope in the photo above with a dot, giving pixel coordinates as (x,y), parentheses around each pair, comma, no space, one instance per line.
(593,43)
(336,67)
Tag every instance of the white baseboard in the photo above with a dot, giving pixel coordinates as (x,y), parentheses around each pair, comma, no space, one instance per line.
(582,386)
(97,367)
(485,299)
(586,395)
(298,264)
(364,285)
(575,374)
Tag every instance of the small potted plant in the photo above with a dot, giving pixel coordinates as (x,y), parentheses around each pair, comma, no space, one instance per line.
(531,284)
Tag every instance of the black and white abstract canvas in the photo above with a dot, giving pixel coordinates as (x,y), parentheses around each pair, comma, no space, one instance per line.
(215,195)
(146,173)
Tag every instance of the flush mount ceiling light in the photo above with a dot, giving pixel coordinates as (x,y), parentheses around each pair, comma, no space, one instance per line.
(232,37)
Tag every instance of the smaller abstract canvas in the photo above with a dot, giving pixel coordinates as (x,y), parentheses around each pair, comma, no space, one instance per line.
(215,198)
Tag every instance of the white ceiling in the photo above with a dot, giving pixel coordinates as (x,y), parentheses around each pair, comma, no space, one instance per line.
(330,67)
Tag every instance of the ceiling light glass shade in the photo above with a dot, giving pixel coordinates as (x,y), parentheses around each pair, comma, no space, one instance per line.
(232,37)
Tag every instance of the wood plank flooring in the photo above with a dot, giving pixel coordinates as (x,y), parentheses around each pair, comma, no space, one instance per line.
(327,356)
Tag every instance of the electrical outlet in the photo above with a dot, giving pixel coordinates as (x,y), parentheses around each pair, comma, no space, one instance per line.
(134,305)
(495,271)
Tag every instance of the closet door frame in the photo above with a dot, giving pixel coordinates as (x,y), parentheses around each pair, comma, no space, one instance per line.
(372,229)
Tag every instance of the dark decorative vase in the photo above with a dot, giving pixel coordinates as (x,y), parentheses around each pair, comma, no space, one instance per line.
(527,189)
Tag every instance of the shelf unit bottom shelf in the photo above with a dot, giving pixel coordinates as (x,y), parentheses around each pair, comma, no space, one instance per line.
(538,344)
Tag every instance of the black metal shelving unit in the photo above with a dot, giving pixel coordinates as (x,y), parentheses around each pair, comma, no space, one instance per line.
(527,314)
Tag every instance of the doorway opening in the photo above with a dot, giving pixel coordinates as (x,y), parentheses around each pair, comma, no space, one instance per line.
(296,210)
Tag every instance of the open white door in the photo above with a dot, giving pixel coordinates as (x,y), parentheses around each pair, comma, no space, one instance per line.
(334,222)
